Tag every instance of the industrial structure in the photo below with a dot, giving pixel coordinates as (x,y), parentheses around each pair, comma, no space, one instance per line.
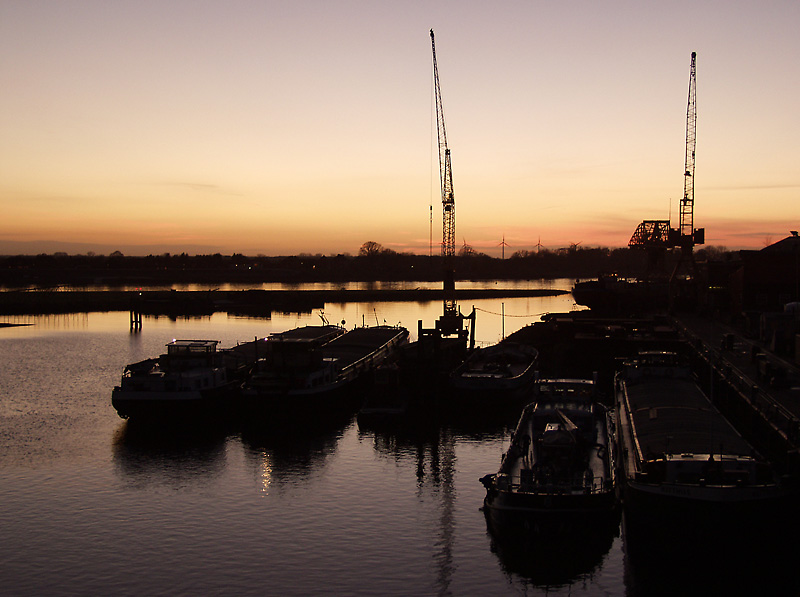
(451,322)
(657,236)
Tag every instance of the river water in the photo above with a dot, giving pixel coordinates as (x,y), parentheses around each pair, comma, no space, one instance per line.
(91,505)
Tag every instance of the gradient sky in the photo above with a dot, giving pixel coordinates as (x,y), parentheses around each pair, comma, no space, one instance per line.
(289,127)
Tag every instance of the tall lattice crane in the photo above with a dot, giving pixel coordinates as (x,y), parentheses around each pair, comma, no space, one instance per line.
(451,320)
(657,236)
(687,203)
(687,237)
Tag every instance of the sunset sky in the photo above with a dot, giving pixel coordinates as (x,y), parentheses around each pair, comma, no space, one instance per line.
(265,127)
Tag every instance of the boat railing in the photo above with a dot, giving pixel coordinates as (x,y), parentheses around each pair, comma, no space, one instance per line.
(626,414)
(377,356)
(750,391)
(527,483)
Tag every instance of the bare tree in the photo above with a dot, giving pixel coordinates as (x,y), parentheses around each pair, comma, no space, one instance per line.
(370,248)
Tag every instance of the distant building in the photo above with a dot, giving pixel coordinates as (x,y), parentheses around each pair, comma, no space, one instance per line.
(767,279)
(764,289)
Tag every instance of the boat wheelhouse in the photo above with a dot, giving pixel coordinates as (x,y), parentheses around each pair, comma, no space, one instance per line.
(191,377)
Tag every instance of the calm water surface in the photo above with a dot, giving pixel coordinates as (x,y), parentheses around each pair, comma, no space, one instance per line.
(93,505)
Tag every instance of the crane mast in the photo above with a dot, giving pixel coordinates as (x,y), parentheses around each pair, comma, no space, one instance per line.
(658,236)
(448,199)
(687,203)
(684,283)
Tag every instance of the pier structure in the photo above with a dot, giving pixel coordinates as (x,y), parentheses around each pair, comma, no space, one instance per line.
(756,389)
(136,313)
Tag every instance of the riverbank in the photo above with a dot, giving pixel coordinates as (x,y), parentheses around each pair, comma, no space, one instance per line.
(249,302)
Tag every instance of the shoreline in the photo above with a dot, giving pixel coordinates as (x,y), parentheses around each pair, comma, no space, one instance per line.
(190,302)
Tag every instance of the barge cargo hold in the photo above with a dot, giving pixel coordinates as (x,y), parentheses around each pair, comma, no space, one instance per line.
(681,460)
(505,370)
(317,379)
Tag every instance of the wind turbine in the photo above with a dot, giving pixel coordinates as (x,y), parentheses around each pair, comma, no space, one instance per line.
(503,244)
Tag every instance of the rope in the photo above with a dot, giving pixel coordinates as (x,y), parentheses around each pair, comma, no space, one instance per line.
(507,315)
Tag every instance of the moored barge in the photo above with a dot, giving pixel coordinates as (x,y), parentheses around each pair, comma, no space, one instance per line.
(559,471)
(680,458)
(502,371)
(191,378)
(315,378)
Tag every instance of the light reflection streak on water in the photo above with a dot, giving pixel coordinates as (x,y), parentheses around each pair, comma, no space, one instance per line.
(264,473)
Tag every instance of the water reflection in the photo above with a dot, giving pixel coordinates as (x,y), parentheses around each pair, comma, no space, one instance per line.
(690,559)
(287,450)
(550,560)
(426,439)
(55,321)
(173,455)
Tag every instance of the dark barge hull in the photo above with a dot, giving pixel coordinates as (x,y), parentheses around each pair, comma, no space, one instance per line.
(683,464)
(659,511)
(206,405)
(510,514)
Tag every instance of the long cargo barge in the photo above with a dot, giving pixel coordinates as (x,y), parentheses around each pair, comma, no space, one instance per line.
(680,459)
(318,377)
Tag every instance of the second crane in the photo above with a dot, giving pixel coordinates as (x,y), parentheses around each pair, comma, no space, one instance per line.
(451,321)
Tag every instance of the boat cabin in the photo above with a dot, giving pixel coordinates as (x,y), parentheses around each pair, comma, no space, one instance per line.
(185,355)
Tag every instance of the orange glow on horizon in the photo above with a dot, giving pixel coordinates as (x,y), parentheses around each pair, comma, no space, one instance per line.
(313,139)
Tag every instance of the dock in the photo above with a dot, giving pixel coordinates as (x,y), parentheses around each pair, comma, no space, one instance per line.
(755,389)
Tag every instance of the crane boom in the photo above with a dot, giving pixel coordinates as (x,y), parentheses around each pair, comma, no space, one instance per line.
(687,203)
(448,198)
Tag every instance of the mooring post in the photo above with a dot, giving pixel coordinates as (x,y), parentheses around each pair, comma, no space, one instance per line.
(136,313)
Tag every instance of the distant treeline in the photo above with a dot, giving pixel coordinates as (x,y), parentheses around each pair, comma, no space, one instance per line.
(372,263)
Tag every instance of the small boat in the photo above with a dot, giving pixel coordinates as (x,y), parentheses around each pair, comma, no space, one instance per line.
(503,370)
(559,471)
(191,378)
(681,459)
(298,376)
